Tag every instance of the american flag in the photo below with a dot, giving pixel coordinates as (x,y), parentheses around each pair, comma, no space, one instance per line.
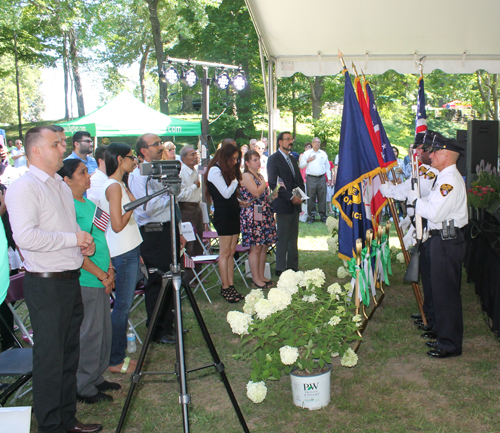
(188,262)
(421,119)
(101,219)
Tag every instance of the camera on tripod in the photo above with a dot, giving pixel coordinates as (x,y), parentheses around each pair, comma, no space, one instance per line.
(161,169)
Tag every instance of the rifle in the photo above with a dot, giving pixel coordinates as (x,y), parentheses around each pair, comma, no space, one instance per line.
(412,272)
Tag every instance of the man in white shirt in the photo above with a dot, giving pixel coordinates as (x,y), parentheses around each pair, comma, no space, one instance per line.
(18,155)
(260,147)
(99,177)
(317,165)
(190,198)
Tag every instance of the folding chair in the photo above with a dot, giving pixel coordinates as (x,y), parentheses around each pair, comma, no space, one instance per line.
(15,362)
(211,239)
(209,266)
(16,294)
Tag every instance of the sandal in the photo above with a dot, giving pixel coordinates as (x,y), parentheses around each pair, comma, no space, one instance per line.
(268,284)
(127,366)
(260,287)
(231,295)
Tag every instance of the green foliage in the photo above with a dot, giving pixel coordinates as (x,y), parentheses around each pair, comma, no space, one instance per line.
(327,129)
(485,189)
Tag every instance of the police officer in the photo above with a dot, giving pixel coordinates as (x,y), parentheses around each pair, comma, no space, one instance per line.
(445,209)
(427,176)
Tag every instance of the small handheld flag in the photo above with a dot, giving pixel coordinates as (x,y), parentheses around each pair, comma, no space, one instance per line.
(101,219)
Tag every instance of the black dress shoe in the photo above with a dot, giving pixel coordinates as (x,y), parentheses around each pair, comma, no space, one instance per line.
(98,398)
(278,273)
(431,335)
(425,328)
(418,322)
(108,386)
(432,344)
(166,339)
(85,428)
(416,316)
(309,221)
(440,353)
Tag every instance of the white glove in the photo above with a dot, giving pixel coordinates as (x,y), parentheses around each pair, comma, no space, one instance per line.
(405,223)
(412,196)
(384,188)
(409,239)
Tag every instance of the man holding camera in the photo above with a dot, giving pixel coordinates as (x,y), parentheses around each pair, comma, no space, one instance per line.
(154,222)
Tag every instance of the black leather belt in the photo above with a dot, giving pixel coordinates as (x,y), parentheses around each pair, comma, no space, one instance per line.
(64,275)
(312,175)
(437,232)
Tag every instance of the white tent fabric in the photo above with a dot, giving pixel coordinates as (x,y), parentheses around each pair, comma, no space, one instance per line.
(456,36)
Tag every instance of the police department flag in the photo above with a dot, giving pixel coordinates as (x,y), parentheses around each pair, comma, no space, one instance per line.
(357,161)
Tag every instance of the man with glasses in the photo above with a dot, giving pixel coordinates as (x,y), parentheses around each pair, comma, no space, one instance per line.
(84,145)
(154,223)
(284,170)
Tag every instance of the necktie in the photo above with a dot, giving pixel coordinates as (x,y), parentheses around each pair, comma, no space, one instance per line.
(290,165)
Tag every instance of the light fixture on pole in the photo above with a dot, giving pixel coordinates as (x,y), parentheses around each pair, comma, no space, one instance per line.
(171,75)
(189,78)
(239,81)
(222,79)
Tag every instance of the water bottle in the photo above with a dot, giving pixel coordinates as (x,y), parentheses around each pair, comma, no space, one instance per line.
(131,346)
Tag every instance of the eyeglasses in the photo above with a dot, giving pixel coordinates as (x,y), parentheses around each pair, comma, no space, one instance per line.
(154,144)
(129,156)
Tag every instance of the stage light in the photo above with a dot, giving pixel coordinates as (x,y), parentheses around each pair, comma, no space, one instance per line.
(190,78)
(239,81)
(171,75)
(223,81)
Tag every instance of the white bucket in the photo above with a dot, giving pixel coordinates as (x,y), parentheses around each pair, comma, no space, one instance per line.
(311,392)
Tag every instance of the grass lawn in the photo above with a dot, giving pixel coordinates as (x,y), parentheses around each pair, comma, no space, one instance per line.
(395,387)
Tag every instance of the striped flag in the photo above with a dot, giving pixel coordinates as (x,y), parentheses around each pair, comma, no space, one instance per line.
(421,118)
(188,261)
(101,219)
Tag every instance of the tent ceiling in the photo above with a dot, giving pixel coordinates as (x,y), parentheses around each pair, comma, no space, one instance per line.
(378,35)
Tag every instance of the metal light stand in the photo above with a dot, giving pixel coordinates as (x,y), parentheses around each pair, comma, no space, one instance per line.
(168,279)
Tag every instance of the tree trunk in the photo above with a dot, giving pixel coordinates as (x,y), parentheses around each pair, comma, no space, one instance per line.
(160,57)
(142,69)
(73,52)
(18,89)
(66,76)
(294,115)
(317,91)
(494,94)
(187,101)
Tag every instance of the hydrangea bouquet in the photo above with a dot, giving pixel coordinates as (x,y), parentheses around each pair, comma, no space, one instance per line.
(300,325)
(332,224)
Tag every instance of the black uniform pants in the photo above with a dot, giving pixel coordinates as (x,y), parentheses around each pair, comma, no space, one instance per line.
(156,251)
(56,313)
(446,259)
(425,266)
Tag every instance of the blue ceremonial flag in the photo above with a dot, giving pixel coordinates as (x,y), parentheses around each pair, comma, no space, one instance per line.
(421,118)
(357,161)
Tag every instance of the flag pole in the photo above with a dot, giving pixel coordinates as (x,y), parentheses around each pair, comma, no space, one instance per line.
(359,247)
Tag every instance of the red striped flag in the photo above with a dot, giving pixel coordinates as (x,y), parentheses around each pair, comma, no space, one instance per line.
(421,118)
(101,219)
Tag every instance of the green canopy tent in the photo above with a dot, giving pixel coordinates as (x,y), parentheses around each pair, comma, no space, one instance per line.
(127,116)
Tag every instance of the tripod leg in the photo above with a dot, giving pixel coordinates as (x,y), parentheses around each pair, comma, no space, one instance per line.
(136,375)
(219,366)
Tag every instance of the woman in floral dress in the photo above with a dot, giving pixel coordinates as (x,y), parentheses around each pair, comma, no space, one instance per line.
(258,228)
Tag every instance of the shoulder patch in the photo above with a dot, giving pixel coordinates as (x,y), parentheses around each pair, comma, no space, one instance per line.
(422,170)
(430,175)
(445,189)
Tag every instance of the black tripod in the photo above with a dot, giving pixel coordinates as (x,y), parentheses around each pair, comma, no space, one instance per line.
(169,280)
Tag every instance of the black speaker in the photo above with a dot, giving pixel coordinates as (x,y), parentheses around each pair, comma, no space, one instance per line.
(461,163)
(482,145)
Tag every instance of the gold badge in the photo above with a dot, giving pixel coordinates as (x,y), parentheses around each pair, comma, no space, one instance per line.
(430,175)
(445,189)
(422,170)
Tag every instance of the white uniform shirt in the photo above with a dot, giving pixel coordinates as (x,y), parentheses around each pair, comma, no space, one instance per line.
(427,175)
(318,166)
(189,191)
(446,201)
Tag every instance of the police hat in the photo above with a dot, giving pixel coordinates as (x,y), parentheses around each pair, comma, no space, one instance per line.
(448,144)
(419,139)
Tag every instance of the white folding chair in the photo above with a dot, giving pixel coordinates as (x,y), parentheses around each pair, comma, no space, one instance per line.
(15,294)
(209,266)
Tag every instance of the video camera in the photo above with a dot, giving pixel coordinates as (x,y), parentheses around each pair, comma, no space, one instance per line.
(167,172)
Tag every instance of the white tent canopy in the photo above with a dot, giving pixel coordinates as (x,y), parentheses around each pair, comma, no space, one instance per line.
(456,36)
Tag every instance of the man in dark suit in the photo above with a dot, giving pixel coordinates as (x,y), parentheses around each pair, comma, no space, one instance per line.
(284,169)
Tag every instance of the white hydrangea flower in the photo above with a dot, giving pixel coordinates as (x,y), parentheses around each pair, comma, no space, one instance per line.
(335,320)
(342,272)
(251,299)
(239,322)
(256,391)
(334,289)
(356,318)
(301,279)
(340,309)
(263,308)
(350,359)
(279,298)
(348,287)
(332,245)
(336,239)
(332,224)
(311,299)
(334,355)
(316,277)
(289,355)
(400,257)
(288,281)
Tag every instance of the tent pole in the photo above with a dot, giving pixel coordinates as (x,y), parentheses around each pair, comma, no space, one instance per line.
(270,103)
(263,67)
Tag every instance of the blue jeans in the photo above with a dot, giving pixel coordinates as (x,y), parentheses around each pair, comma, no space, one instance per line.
(127,267)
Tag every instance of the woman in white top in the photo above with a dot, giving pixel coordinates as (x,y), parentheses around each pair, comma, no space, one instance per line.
(123,237)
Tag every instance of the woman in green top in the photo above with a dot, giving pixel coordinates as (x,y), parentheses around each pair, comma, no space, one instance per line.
(97,281)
